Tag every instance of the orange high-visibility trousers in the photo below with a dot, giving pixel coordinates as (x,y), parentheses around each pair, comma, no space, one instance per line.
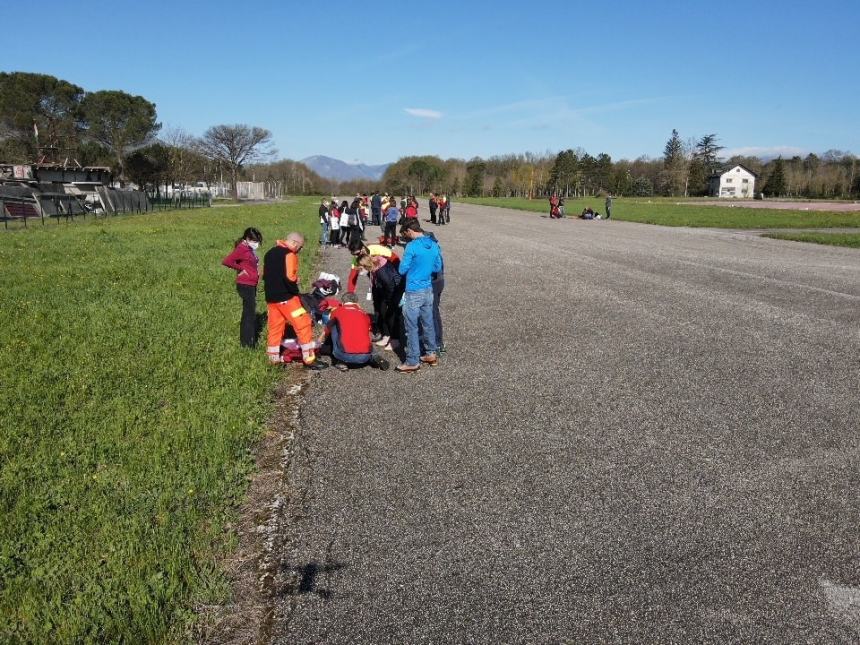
(290,313)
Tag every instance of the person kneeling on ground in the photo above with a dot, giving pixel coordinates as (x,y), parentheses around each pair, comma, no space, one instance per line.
(281,278)
(349,330)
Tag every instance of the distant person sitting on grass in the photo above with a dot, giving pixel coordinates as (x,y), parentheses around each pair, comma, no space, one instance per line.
(349,330)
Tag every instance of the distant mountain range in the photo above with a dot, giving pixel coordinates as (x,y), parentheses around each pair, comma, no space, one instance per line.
(341,171)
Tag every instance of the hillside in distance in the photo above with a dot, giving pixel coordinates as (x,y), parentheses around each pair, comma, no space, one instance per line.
(338,170)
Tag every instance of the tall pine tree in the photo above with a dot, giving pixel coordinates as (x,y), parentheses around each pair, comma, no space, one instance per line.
(674,175)
(706,151)
(674,150)
(775,185)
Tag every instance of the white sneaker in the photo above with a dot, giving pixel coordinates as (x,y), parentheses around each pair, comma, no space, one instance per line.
(382,342)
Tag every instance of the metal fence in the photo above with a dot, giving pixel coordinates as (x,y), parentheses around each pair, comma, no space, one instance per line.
(250,190)
(177,201)
(24,203)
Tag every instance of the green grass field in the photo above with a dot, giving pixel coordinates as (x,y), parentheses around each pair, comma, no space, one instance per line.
(851,240)
(667,212)
(128,414)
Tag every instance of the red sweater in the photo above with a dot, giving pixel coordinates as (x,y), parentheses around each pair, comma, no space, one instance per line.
(244,260)
(354,326)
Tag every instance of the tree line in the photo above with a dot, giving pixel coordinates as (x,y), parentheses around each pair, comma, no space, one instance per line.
(43,118)
(684,170)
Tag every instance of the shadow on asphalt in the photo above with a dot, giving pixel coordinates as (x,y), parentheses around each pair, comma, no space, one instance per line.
(307,578)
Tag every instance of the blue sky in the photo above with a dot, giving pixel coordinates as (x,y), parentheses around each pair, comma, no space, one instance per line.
(375,81)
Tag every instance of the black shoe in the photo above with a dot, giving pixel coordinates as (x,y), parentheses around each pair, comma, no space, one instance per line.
(316,366)
(381,363)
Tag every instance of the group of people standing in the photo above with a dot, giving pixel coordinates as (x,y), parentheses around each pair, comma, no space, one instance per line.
(406,291)
(342,222)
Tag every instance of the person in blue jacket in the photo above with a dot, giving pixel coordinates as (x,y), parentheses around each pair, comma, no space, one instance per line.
(421,260)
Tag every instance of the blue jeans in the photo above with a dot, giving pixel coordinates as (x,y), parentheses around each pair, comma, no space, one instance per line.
(325,234)
(418,309)
(342,356)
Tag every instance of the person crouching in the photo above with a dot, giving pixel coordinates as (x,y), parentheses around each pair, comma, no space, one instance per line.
(349,329)
(281,277)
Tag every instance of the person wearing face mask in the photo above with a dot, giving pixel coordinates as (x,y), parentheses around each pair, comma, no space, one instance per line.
(244,261)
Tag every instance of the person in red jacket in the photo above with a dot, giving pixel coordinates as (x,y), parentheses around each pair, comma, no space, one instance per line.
(411,208)
(349,329)
(553,207)
(244,261)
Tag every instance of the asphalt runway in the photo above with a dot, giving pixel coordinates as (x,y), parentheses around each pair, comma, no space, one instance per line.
(638,435)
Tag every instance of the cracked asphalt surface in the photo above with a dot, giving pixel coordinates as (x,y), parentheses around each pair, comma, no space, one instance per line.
(639,434)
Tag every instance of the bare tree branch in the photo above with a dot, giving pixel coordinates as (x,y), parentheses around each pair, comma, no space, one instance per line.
(235,146)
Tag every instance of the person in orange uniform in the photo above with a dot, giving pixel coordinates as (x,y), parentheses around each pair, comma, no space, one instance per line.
(281,277)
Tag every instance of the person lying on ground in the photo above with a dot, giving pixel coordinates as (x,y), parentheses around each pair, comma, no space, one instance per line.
(319,301)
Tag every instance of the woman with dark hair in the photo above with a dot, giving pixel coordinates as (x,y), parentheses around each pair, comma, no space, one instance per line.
(334,224)
(244,261)
(324,222)
(344,223)
(354,212)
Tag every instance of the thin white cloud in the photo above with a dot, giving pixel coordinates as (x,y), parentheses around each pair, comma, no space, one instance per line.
(423,113)
(763,152)
(551,111)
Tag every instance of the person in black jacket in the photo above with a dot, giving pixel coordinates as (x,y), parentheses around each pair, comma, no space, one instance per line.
(324,233)
(438,286)
(376,209)
(388,285)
